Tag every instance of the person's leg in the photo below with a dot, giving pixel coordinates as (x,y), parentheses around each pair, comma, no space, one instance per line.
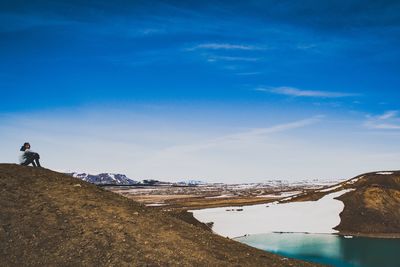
(27,162)
(37,157)
(30,158)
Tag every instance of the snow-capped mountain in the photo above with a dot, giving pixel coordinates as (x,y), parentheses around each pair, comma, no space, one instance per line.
(104,178)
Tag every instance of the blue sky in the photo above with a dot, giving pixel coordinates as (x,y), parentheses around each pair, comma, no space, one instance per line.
(200,72)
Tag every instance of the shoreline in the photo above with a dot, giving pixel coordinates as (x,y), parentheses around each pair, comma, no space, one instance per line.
(372,235)
(378,236)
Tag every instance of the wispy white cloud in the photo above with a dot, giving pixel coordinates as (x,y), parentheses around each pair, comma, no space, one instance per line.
(385,121)
(383,126)
(276,128)
(295,92)
(151,31)
(248,73)
(388,114)
(229,58)
(225,46)
(244,136)
(306,46)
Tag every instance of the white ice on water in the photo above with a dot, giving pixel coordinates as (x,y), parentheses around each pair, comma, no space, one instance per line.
(308,216)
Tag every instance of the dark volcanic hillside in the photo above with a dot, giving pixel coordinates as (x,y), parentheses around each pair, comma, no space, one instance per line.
(374,207)
(51,219)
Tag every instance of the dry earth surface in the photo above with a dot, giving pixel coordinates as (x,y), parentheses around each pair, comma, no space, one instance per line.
(51,219)
(211,195)
(373,209)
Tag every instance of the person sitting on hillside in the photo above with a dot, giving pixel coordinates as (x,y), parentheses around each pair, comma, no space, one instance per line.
(27,156)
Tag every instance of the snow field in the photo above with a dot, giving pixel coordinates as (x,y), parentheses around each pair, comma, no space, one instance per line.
(309,216)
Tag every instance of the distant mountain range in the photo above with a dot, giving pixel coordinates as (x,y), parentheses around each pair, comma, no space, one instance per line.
(122,179)
(105,178)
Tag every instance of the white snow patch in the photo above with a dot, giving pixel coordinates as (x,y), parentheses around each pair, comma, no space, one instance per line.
(112,175)
(330,188)
(281,194)
(221,196)
(309,216)
(156,205)
(287,198)
(354,180)
(384,173)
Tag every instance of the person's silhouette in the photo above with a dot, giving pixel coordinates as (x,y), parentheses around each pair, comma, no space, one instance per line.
(27,156)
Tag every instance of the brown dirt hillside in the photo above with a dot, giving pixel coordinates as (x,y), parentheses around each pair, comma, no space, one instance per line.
(51,219)
(374,207)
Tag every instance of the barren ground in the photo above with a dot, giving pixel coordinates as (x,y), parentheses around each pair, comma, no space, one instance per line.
(51,219)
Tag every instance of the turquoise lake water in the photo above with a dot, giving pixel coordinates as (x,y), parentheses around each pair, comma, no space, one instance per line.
(330,249)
